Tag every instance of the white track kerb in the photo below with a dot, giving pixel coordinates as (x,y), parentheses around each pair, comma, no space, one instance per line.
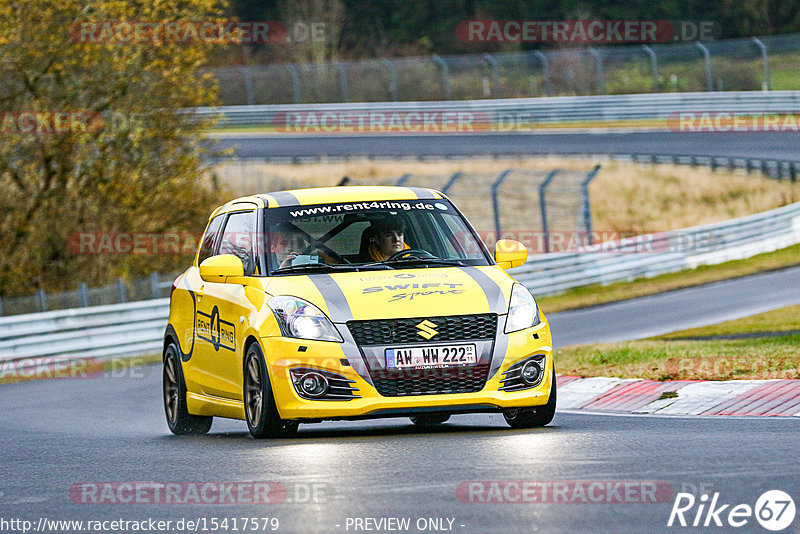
(636,396)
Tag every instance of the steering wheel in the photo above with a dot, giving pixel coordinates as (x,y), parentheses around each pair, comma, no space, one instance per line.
(410,252)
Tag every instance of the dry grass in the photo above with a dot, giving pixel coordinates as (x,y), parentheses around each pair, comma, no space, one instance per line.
(625,197)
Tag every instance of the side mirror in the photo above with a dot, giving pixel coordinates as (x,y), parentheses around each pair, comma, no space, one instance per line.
(509,253)
(219,268)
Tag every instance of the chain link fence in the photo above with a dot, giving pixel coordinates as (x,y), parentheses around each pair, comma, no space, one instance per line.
(153,287)
(747,64)
(526,205)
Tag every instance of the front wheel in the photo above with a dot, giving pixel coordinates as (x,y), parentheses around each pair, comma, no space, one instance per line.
(537,416)
(259,403)
(179,420)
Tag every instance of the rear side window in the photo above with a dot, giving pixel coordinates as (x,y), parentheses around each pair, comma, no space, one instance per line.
(237,238)
(210,238)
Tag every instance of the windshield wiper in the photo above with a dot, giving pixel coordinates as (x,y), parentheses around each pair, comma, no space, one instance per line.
(309,267)
(312,267)
(425,261)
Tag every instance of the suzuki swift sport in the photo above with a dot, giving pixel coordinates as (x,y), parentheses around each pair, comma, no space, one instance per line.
(349,303)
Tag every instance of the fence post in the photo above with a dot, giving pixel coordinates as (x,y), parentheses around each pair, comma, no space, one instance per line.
(445,76)
(248,84)
(598,69)
(122,296)
(1,306)
(392,78)
(297,91)
(653,67)
(543,207)
(42,299)
(83,293)
(587,208)
(546,71)
(495,186)
(495,75)
(765,82)
(342,81)
(707,61)
(451,181)
(154,283)
(403,179)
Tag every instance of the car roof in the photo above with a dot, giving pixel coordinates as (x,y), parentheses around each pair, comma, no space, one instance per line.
(326,195)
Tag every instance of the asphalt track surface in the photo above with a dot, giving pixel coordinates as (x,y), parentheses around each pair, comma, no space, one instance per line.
(58,433)
(766,145)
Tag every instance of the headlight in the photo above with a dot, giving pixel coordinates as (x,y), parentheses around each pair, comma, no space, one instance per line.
(301,319)
(522,310)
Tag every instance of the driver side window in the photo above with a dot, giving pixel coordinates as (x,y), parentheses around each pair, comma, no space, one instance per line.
(210,239)
(237,238)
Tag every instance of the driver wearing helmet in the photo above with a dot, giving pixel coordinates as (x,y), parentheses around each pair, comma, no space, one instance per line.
(386,238)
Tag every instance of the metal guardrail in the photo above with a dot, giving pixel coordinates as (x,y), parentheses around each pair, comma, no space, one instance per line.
(97,332)
(138,327)
(655,254)
(523,114)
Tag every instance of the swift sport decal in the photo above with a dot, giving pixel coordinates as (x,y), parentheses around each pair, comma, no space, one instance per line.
(411,291)
(220,333)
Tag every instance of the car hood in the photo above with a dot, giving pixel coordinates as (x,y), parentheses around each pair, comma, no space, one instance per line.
(401,293)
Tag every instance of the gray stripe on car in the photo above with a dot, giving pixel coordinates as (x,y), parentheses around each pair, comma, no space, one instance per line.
(285,199)
(336,302)
(500,347)
(353,354)
(498,305)
(422,193)
(497,301)
(339,310)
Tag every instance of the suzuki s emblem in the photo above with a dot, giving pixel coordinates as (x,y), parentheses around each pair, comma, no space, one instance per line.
(426,329)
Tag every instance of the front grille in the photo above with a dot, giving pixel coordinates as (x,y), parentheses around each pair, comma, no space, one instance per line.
(430,381)
(449,328)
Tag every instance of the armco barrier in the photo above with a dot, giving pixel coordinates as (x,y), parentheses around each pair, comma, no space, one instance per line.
(100,332)
(707,244)
(532,111)
(138,327)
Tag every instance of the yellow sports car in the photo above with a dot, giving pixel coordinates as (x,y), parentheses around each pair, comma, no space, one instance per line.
(352,303)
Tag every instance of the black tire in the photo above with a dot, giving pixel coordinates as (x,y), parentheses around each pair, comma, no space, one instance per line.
(261,412)
(537,416)
(179,420)
(430,419)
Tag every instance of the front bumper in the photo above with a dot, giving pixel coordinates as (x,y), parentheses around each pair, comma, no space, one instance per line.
(284,354)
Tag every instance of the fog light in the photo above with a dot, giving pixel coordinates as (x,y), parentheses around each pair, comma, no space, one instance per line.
(531,372)
(313,384)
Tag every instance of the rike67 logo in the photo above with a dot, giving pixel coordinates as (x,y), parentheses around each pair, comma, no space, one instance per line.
(774,510)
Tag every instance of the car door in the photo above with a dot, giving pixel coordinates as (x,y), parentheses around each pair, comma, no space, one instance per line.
(222,312)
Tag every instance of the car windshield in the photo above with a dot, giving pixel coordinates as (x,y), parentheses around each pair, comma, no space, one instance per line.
(355,236)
